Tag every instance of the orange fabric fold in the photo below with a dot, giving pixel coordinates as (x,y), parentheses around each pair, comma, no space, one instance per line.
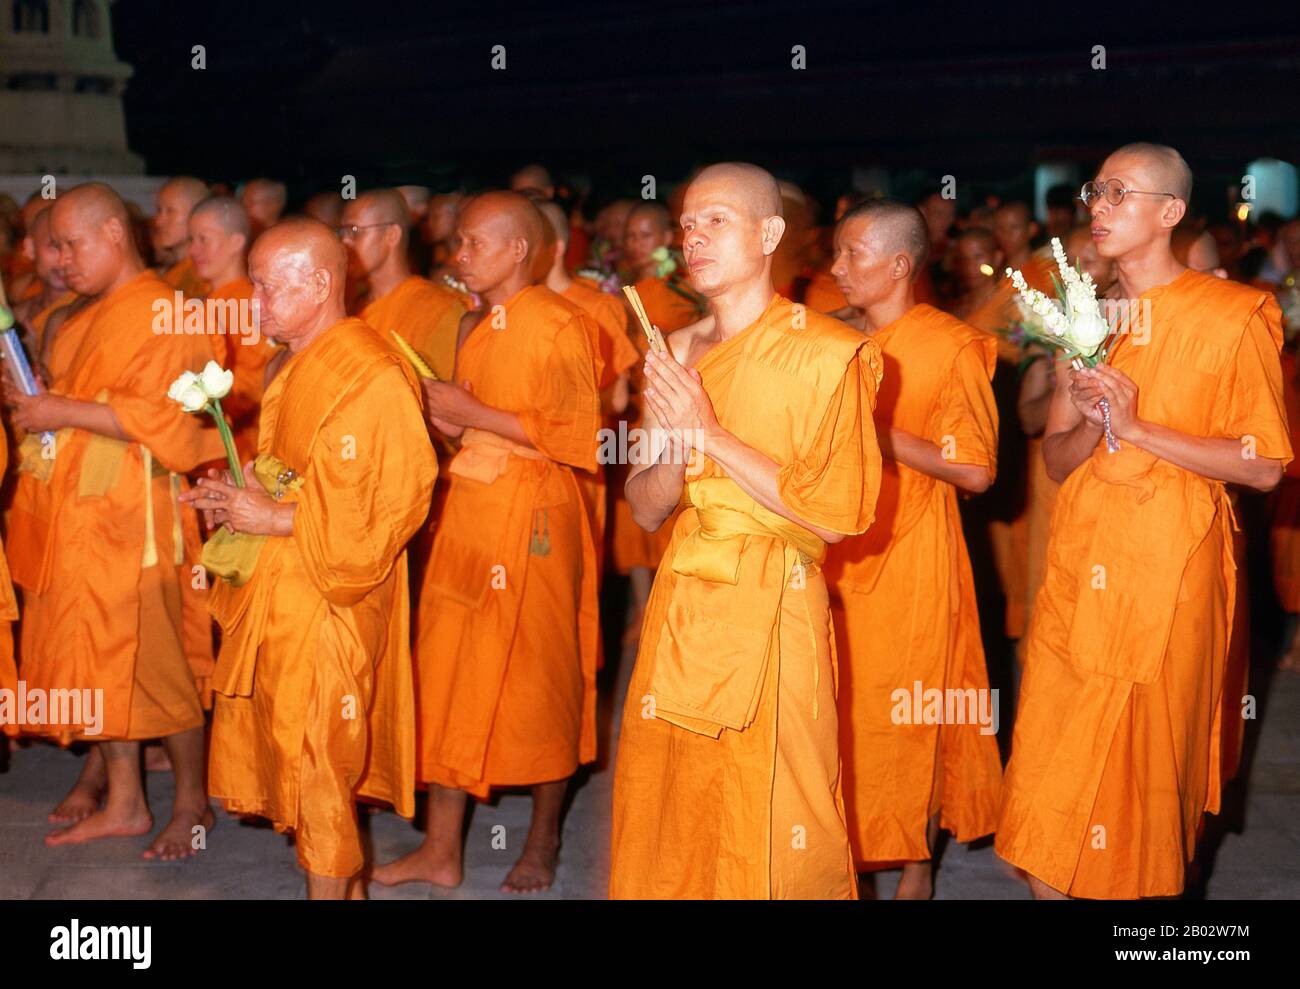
(426,315)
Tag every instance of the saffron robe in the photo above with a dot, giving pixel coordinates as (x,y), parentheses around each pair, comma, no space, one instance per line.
(315,700)
(904,602)
(97,539)
(1116,752)
(246,355)
(507,640)
(426,315)
(183,275)
(727,783)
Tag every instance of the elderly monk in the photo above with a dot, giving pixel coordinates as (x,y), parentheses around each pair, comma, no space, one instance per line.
(375,230)
(96,537)
(52,291)
(1116,750)
(902,593)
(506,649)
(169,232)
(219,238)
(1037,384)
(728,776)
(264,201)
(315,700)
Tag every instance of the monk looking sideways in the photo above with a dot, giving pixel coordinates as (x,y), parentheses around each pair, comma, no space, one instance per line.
(315,702)
(1115,753)
(903,592)
(506,650)
(97,540)
(728,776)
(170,233)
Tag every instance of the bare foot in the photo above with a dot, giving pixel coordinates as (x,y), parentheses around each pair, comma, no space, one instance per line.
(102,824)
(176,841)
(534,872)
(156,759)
(916,883)
(424,865)
(79,804)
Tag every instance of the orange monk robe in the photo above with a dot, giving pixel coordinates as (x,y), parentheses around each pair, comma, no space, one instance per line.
(1008,500)
(614,354)
(40,320)
(183,275)
(8,615)
(823,293)
(426,315)
(903,598)
(506,648)
(97,538)
(669,310)
(315,704)
(1116,753)
(728,776)
(1040,500)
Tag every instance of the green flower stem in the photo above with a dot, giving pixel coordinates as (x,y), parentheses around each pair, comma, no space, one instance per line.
(228,440)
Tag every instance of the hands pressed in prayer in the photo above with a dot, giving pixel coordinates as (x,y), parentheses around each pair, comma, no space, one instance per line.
(677,397)
(248,509)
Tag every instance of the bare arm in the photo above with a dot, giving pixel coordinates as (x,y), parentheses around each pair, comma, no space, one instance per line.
(1035,399)
(37,413)
(926,457)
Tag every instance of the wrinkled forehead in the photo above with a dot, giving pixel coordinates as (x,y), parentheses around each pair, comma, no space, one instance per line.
(715,194)
(277,261)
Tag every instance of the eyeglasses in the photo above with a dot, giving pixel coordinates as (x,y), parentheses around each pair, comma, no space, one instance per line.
(352,229)
(1113,191)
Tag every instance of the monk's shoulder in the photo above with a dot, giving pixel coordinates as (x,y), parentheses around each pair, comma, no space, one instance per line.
(427,293)
(946,335)
(821,333)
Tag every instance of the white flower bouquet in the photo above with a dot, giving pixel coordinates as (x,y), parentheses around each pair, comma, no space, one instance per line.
(203,392)
(1072,322)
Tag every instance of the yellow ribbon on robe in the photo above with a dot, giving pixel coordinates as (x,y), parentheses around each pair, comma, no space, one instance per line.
(232,556)
(723,617)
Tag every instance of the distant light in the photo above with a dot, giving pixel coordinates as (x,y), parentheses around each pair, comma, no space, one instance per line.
(986,269)
(1243,211)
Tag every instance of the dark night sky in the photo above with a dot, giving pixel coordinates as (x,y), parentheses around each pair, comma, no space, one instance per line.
(395,90)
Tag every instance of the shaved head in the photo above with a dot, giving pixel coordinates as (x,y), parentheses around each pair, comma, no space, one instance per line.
(896,226)
(533,177)
(385,206)
(755,187)
(502,236)
(35,205)
(416,198)
(1164,165)
(226,212)
(298,268)
(264,199)
(655,213)
(189,188)
(556,219)
(92,229)
(326,207)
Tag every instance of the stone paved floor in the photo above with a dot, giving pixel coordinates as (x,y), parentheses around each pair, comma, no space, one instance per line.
(1259,857)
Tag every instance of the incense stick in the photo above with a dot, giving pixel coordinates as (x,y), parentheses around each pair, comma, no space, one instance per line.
(651,331)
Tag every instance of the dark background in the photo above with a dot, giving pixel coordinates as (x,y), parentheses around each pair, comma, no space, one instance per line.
(397,91)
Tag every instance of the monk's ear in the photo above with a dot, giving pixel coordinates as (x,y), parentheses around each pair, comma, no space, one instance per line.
(116,232)
(1173,213)
(901,267)
(322,283)
(519,249)
(773,228)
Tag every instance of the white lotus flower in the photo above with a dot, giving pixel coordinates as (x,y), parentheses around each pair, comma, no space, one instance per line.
(216,380)
(1089,331)
(188,391)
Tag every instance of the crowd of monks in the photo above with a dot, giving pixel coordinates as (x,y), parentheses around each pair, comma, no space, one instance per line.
(399,589)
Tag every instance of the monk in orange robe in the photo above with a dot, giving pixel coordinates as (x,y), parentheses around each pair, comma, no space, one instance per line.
(52,293)
(219,232)
(315,702)
(1115,756)
(613,348)
(264,201)
(506,649)
(376,227)
(671,303)
(1036,387)
(169,230)
(98,541)
(727,783)
(903,596)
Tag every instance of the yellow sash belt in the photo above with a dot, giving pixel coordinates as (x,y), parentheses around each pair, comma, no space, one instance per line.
(233,555)
(484,456)
(722,621)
